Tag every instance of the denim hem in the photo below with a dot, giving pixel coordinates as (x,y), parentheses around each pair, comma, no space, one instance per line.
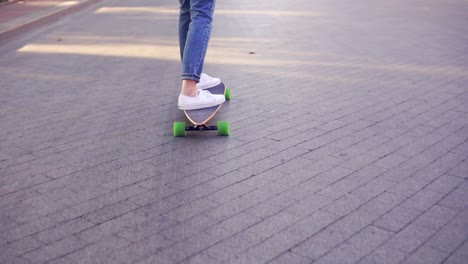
(189,76)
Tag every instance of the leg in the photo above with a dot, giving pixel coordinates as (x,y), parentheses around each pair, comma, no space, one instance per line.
(184,22)
(205,81)
(196,44)
(193,55)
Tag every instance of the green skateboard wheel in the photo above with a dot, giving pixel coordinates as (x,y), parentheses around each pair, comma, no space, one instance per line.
(228,94)
(223,128)
(179,129)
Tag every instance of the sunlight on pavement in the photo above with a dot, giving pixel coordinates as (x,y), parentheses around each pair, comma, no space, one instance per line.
(48,3)
(162,52)
(120,50)
(132,10)
(68,3)
(270,13)
(175,10)
(228,56)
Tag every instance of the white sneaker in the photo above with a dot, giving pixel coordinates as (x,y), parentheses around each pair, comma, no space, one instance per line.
(203,99)
(207,81)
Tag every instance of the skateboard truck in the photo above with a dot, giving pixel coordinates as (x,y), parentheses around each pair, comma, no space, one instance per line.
(200,128)
(180,128)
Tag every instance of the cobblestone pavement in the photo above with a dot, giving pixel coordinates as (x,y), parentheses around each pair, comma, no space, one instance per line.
(349,136)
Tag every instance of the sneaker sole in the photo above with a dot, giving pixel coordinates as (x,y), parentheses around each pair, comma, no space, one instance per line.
(198,107)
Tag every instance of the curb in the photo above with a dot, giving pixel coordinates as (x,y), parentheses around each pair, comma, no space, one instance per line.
(48,17)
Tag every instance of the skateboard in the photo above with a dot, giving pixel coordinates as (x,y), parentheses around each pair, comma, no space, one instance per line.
(200,117)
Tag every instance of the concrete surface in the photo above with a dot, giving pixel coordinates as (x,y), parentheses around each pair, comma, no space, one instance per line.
(349,136)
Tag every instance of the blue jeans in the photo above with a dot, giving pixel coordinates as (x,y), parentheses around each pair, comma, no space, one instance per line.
(195,24)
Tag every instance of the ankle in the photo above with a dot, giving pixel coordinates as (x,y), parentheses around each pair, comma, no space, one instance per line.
(189,88)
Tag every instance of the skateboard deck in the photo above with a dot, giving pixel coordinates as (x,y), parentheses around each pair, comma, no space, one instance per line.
(200,117)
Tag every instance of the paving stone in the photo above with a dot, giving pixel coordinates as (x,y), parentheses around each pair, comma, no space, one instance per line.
(332,175)
(110,212)
(373,188)
(462,249)
(303,190)
(444,184)
(359,162)
(27,229)
(382,203)
(321,153)
(235,206)
(409,186)
(390,161)
(189,210)
(263,178)
(369,239)
(456,199)
(18,196)
(293,165)
(111,227)
(238,222)
(344,205)
(410,238)
(233,245)
(285,144)
(461,170)
(260,166)
(13,251)
(404,170)
(229,155)
(188,247)
(25,183)
(140,231)
(63,230)
(333,235)
(352,182)
(270,207)
(55,250)
(229,193)
(436,217)
(344,253)
(426,255)
(309,205)
(194,225)
(266,250)
(456,258)
(92,205)
(383,150)
(308,226)
(297,177)
(448,238)
(397,219)
(423,200)
(188,182)
(98,252)
(274,224)
(384,255)
(218,233)
(141,249)
(290,257)
(318,245)
(200,258)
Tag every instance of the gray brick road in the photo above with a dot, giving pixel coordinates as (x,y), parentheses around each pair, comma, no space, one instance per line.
(349,137)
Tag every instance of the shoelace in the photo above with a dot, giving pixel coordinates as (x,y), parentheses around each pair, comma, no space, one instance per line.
(204,91)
